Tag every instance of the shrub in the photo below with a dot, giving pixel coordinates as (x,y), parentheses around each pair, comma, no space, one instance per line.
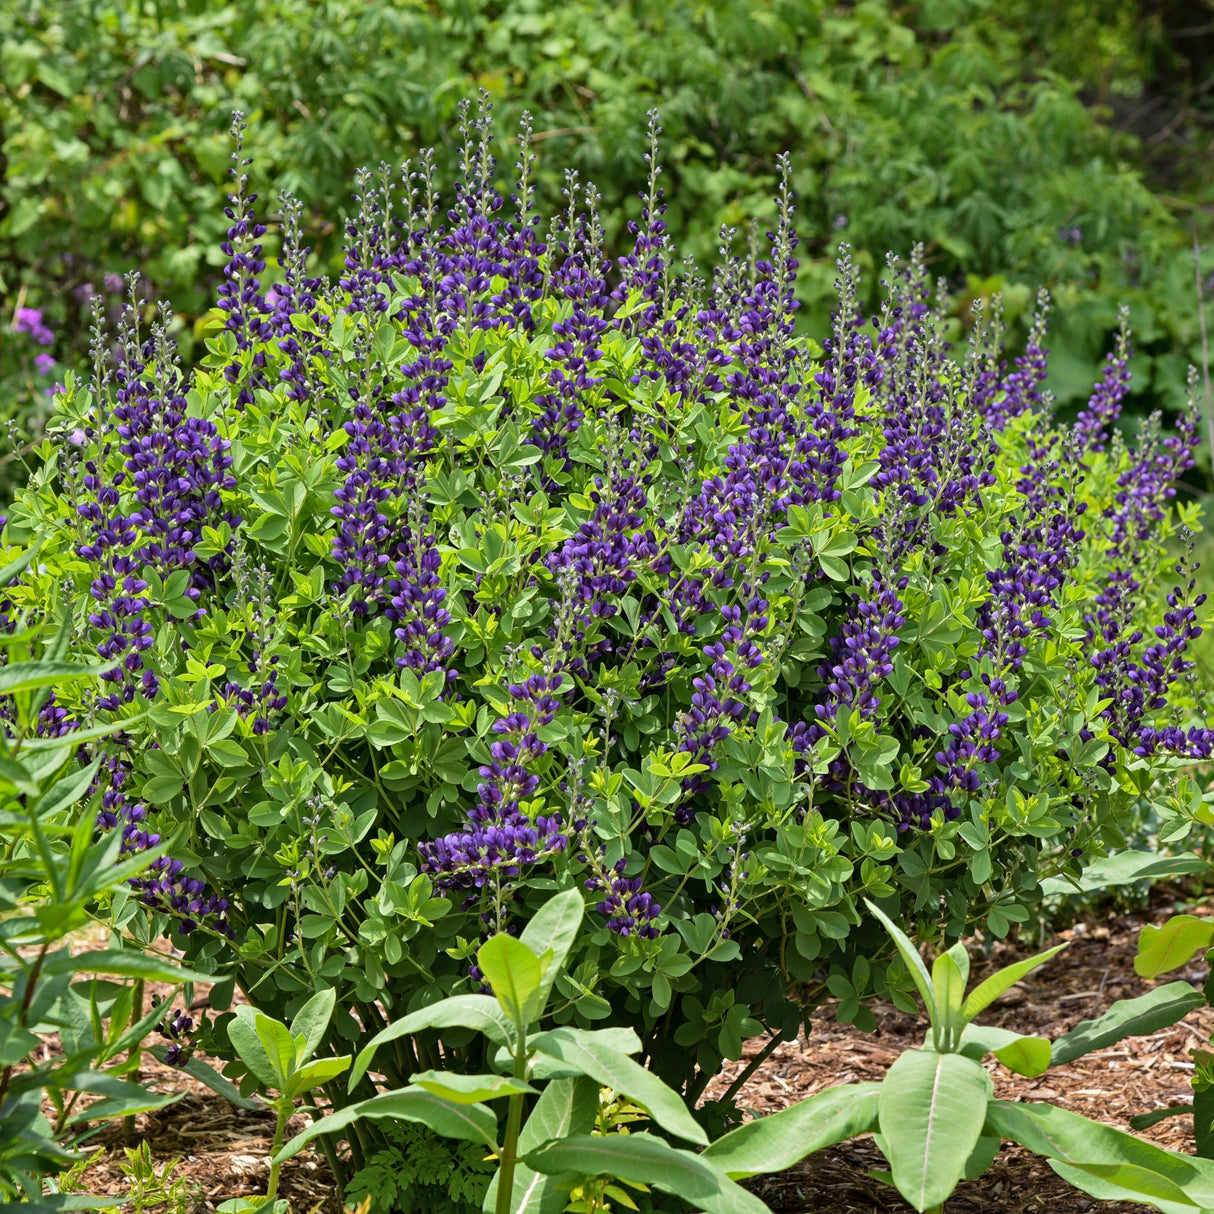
(492,570)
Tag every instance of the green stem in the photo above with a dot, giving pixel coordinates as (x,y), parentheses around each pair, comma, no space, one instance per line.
(514,1121)
(285,1109)
(128,1123)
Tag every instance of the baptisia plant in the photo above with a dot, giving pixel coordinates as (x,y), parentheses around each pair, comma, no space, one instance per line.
(500,566)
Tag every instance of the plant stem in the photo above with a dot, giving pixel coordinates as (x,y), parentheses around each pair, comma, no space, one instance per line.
(514,1120)
(754,1064)
(285,1108)
(128,1123)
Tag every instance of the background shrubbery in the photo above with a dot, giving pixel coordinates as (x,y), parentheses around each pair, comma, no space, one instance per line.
(955,122)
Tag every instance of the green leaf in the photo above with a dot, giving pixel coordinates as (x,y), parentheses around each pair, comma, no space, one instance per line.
(775,1143)
(514,973)
(25,676)
(125,963)
(139,1101)
(313,1074)
(478,1012)
(470,1089)
(912,960)
(615,1070)
(1171,944)
(930,1111)
(65,792)
(544,1066)
(531,1193)
(1124,868)
(247,1045)
(1125,1182)
(312,1020)
(982,1156)
(643,1159)
(281,1048)
(987,991)
(1149,1013)
(469,1122)
(950,973)
(1072,1139)
(1028,1056)
(1203,1122)
(566,1107)
(554,928)
(1144,1121)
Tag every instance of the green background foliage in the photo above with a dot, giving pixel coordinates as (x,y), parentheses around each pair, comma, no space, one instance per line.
(961,123)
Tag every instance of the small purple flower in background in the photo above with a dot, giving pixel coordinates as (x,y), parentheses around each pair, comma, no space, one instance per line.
(44,363)
(1072,235)
(29,320)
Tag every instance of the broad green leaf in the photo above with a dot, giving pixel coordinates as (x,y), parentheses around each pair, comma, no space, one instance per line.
(313,1074)
(982,1156)
(950,972)
(1203,1122)
(125,963)
(554,927)
(514,973)
(930,1110)
(987,991)
(912,960)
(1172,944)
(532,1192)
(775,1143)
(469,1122)
(566,1107)
(247,1044)
(1072,1139)
(1028,1056)
(312,1020)
(543,1066)
(281,1048)
(139,1101)
(1149,1013)
(1124,868)
(1126,1182)
(478,1012)
(65,792)
(470,1089)
(617,1071)
(643,1159)
(25,676)
(1144,1121)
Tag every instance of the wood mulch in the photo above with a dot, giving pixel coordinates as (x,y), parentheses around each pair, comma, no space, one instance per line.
(223,1152)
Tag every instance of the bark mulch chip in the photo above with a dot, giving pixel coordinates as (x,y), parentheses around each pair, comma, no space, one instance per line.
(224,1152)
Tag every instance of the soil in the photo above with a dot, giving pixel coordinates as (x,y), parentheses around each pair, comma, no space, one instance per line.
(223,1152)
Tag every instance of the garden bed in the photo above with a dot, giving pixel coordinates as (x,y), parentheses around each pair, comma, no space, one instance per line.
(223,1151)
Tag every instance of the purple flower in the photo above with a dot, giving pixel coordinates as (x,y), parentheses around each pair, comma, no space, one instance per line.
(44,363)
(29,320)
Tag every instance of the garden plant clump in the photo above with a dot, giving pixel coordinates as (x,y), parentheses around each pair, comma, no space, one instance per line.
(493,570)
